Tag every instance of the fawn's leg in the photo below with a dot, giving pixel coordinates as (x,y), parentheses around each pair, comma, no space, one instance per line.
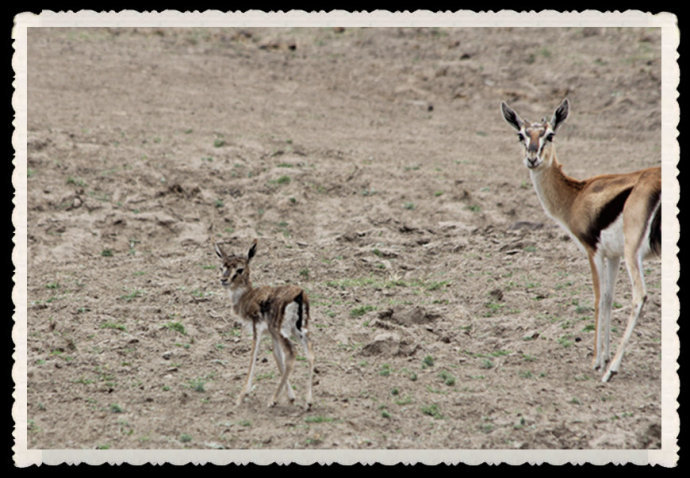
(309,353)
(289,363)
(278,355)
(257,332)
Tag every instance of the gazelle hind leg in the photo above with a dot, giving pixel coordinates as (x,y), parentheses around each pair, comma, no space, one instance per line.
(634,266)
(309,353)
(289,364)
(278,355)
(637,223)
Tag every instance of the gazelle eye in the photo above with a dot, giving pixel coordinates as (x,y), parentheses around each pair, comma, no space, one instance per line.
(239,272)
(549,137)
(521,137)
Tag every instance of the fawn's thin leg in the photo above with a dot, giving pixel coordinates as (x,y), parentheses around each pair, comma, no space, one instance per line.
(278,355)
(256,340)
(309,353)
(289,364)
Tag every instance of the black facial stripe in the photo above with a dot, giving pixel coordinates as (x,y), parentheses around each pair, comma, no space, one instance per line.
(605,217)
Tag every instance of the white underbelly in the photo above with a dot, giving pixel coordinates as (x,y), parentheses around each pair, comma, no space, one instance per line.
(611,239)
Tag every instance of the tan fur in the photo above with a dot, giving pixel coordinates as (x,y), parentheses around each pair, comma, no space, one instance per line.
(266,308)
(590,210)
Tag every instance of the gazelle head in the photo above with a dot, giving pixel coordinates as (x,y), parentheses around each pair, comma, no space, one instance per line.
(536,137)
(235,269)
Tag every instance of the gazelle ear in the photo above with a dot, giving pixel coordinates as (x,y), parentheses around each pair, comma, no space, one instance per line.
(218,250)
(511,116)
(560,114)
(252,251)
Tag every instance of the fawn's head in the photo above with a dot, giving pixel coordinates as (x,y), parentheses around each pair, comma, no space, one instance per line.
(536,137)
(235,269)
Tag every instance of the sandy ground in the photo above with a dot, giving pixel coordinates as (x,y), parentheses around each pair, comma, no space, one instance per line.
(376,172)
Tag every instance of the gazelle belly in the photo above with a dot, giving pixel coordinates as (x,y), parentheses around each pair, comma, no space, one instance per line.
(611,239)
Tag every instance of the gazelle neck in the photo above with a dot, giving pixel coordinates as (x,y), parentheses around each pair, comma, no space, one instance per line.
(556,190)
(236,293)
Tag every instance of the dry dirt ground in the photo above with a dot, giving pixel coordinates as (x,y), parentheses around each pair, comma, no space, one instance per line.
(376,171)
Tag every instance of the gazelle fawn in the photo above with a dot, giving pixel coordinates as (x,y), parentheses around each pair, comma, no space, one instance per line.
(282,311)
(611,216)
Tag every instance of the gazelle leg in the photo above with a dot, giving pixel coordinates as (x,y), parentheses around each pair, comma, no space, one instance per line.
(633,261)
(288,363)
(256,340)
(606,303)
(278,355)
(596,265)
(309,353)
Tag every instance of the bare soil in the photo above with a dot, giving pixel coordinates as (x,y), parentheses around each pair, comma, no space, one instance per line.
(375,169)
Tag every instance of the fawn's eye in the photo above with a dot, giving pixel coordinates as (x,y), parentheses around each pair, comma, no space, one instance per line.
(239,272)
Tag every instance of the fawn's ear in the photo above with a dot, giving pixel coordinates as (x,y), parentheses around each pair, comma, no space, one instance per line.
(218,250)
(511,116)
(252,251)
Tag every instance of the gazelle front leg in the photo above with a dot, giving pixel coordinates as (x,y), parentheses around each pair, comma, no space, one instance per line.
(607,302)
(256,340)
(597,267)
(604,272)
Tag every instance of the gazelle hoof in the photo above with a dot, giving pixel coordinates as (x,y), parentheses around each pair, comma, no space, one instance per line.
(307,407)
(272,404)
(607,376)
(600,364)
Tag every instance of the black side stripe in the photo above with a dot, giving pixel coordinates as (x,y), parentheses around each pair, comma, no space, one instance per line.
(266,306)
(298,299)
(655,227)
(605,217)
